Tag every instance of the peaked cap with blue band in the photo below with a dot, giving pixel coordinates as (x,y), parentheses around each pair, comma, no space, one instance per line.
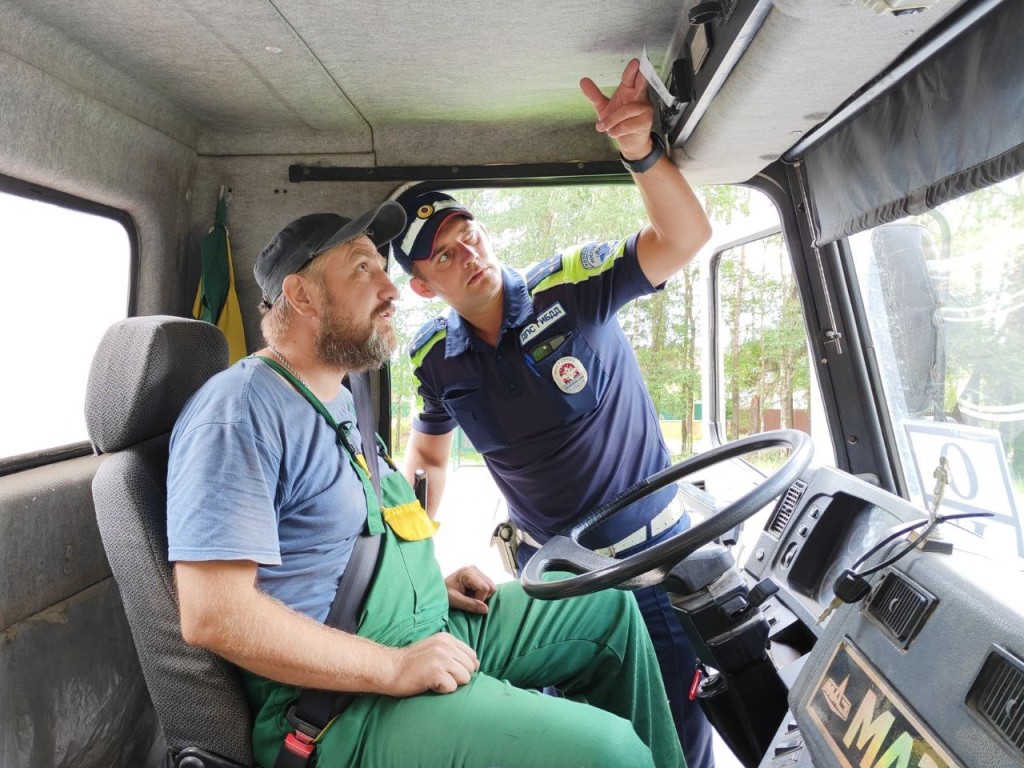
(424,215)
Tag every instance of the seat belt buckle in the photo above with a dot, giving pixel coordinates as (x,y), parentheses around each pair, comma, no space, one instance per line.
(506,539)
(300,745)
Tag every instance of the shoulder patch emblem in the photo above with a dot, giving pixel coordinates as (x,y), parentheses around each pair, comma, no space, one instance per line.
(426,333)
(543,269)
(593,255)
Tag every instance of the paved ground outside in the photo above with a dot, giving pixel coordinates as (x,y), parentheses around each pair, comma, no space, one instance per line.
(470,509)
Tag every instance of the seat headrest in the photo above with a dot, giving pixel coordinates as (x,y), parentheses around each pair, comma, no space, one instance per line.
(144,370)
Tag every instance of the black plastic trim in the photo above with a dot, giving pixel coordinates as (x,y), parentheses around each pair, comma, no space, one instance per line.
(999,683)
(14,464)
(900,606)
(854,419)
(534,173)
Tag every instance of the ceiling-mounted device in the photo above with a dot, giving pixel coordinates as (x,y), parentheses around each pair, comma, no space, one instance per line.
(718,34)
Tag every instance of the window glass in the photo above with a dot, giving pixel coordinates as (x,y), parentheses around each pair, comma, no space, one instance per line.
(944,300)
(66,279)
(765,380)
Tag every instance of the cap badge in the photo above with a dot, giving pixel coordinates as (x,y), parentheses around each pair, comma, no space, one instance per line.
(425,211)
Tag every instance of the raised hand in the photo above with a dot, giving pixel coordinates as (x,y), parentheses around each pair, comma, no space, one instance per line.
(627,116)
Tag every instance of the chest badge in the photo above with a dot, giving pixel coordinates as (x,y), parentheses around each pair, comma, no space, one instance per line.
(569,374)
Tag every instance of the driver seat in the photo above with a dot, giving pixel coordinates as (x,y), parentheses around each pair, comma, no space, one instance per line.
(143,372)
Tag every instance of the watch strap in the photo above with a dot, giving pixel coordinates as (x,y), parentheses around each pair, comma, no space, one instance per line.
(645,163)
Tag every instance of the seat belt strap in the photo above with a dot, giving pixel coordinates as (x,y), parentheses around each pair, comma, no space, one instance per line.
(314,710)
(363,397)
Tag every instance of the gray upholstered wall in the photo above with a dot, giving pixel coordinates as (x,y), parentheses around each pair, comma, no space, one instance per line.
(70,121)
(72,691)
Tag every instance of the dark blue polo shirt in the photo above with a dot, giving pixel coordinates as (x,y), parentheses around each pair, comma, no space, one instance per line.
(558,408)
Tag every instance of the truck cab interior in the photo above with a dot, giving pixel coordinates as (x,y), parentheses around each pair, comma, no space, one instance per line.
(858,601)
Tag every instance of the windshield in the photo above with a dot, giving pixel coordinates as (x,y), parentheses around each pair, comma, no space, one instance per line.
(944,302)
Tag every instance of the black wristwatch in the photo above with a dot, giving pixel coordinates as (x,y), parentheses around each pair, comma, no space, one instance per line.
(645,163)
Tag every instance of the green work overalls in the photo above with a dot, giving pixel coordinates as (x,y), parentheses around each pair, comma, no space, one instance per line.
(595,649)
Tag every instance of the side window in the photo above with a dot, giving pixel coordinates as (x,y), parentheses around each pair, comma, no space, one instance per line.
(764,377)
(66,275)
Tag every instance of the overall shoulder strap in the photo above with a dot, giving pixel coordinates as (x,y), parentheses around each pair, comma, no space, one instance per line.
(315,709)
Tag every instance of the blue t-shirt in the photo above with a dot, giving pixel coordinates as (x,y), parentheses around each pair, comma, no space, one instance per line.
(559,408)
(257,474)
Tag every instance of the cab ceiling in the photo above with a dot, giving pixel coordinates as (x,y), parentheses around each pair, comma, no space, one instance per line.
(459,82)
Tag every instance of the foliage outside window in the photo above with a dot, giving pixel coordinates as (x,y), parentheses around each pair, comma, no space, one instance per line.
(944,300)
(763,344)
(66,274)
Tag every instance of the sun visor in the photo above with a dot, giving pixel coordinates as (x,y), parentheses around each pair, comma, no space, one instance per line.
(953,125)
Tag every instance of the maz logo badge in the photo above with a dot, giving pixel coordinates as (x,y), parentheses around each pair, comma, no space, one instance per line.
(865,723)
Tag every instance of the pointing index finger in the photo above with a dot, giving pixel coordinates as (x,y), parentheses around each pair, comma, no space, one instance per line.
(629,74)
(593,93)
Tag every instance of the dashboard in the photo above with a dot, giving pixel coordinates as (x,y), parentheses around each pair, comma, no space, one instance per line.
(926,671)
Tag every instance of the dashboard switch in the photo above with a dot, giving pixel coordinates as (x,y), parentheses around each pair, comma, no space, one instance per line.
(789,555)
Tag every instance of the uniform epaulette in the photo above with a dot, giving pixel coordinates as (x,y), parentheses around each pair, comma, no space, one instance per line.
(542,270)
(432,329)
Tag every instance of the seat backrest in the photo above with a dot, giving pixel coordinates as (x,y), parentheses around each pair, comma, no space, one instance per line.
(144,371)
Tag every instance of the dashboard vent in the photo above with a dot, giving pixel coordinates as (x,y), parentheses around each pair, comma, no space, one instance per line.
(900,607)
(998,693)
(779,520)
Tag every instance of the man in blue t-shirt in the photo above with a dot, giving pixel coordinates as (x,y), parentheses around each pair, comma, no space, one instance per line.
(267,492)
(538,373)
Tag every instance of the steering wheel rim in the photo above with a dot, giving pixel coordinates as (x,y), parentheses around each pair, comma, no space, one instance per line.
(594,572)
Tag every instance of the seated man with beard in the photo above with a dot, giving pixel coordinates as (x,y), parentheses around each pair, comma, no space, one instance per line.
(267,493)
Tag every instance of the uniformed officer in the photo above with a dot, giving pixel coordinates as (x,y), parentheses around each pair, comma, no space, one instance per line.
(538,373)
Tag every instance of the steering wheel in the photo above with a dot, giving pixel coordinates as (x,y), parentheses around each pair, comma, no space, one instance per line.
(595,572)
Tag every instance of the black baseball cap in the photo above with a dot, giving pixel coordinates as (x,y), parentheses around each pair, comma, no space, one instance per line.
(309,236)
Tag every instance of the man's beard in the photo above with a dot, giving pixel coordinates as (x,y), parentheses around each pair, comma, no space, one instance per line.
(341,343)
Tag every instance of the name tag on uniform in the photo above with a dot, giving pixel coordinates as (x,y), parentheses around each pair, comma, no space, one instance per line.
(551,315)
